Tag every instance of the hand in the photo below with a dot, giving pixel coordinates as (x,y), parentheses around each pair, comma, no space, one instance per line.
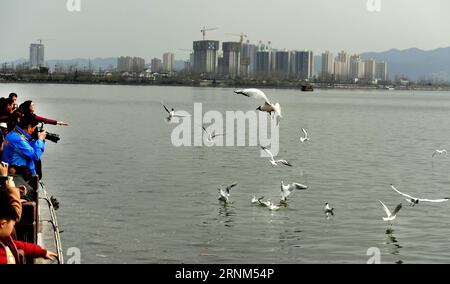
(3,169)
(23,190)
(42,135)
(50,255)
(10,183)
(62,123)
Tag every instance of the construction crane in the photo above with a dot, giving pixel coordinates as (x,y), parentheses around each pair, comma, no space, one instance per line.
(242,36)
(41,39)
(203,31)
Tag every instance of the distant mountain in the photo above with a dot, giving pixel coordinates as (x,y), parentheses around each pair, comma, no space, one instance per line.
(413,63)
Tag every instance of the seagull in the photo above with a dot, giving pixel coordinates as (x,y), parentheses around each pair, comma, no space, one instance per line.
(270,205)
(393,215)
(225,193)
(440,152)
(328,210)
(414,200)
(172,113)
(210,136)
(287,189)
(304,139)
(267,107)
(275,162)
(257,200)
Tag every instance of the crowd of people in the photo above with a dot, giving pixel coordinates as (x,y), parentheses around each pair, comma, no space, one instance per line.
(21,148)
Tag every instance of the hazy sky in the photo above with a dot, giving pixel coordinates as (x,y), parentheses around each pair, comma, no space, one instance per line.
(147,28)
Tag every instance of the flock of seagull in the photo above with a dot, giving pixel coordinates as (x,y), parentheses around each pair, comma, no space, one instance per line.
(287,189)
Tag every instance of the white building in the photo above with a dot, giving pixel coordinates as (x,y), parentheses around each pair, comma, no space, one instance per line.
(381,71)
(327,71)
(168,62)
(36,55)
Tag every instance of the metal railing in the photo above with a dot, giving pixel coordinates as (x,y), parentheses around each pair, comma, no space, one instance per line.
(54,221)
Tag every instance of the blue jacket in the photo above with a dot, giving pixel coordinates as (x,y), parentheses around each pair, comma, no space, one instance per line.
(22,150)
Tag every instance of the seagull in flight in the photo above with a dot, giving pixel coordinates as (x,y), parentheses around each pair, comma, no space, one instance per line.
(304,139)
(287,189)
(225,193)
(439,152)
(393,215)
(328,210)
(414,200)
(267,107)
(172,113)
(273,161)
(210,136)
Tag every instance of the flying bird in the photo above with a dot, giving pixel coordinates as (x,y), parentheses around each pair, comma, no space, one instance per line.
(393,215)
(275,162)
(439,152)
(267,107)
(414,200)
(328,210)
(210,136)
(287,189)
(304,139)
(225,193)
(172,113)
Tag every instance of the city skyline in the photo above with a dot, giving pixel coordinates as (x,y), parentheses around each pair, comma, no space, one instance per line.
(160,27)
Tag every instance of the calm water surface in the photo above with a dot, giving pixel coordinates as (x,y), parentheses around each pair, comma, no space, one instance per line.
(128,196)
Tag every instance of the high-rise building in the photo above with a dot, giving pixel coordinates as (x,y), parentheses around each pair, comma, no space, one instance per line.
(356,67)
(168,62)
(342,67)
(282,64)
(369,69)
(36,55)
(263,63)
(156,65)
(206,56)
(327,71)
(381,71)
(124,64)
(248,59)
(232,58)
(130,64)
(303,64)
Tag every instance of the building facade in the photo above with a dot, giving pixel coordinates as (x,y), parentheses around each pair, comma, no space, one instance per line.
(156,65)
(303,64)
(36,56)
(168,62)
(327,72)
(232,58)
(206,56)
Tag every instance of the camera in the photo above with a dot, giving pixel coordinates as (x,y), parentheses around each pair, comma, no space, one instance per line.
(50,136)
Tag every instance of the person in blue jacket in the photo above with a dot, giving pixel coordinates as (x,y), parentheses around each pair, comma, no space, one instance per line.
(21,150)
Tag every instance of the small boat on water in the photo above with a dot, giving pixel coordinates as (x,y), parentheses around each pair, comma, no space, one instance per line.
(307,88)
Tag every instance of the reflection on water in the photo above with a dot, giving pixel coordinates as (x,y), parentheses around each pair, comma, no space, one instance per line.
(226,214)
(394,245)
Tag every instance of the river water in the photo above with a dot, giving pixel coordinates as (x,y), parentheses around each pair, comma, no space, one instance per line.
(128,195)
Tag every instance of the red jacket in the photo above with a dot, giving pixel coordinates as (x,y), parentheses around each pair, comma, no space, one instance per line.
(30,250)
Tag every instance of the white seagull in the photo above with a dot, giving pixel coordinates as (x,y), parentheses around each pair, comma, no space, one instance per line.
(304,139)
(414,200)
(172,113)
(257,200)
(440,152)
(287,189)
(328,210)
(267,107)
(393,215)
(210,136)
(270,205)
(225,193)
(273,161)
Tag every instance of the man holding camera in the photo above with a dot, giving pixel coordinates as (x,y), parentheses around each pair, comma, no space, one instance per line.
(21,151)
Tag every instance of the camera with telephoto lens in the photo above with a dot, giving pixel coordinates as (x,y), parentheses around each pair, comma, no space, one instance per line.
(50,136)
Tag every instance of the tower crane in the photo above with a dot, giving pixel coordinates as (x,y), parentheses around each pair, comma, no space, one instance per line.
(242,36)
(205,29)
